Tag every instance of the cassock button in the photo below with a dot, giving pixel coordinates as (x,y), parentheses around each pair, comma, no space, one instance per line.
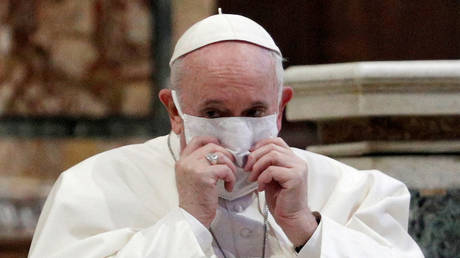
(238,208)
(245,232)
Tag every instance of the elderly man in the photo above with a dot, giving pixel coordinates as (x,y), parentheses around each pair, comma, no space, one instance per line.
(221,183)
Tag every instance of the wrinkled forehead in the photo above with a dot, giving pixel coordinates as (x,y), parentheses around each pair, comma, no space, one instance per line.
(227,66)
(226,74)
(230,53)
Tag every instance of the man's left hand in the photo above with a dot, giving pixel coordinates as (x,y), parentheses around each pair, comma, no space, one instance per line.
(283,176)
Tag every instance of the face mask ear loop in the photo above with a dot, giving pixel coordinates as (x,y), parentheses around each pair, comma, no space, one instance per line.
(176,102)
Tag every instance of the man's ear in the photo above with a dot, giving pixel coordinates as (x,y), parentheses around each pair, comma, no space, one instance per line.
(286,96)
(165,97)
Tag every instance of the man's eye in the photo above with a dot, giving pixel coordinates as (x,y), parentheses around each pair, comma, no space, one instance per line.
(255,113)
(212,114)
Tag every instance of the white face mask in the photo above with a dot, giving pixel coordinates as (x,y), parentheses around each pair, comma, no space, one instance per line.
(237,135)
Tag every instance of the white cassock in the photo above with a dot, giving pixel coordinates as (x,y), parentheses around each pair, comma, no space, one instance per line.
(124,203)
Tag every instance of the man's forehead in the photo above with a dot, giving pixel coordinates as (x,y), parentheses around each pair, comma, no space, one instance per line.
(223,71)
(228,51)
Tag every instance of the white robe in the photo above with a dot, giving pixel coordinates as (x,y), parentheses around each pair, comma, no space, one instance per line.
(124,203)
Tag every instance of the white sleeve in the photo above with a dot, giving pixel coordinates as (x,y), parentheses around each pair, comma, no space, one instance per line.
(313,247)
(172,236)
(364,213)
(77,222)
(376,226)
(334,240)
(202,234)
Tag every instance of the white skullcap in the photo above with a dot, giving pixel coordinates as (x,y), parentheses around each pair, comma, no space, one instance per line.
(222,27)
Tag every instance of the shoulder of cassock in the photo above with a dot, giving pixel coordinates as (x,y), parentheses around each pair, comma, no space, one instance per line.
(134,186)
(128,187)
(338,190)
(139,177)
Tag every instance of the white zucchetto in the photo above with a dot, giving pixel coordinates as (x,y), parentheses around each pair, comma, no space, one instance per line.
(222,27)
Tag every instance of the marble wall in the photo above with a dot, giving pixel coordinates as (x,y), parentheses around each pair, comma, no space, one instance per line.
(61,61)
(75,58)
(434,222)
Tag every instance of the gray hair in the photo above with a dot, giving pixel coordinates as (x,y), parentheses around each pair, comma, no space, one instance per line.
(177,70)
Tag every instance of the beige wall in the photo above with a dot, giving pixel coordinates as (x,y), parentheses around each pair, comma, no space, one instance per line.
(187,12)
(75,58)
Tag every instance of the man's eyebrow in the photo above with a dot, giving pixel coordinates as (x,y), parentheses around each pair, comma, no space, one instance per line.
(258,103)
(212,101)
(217,102)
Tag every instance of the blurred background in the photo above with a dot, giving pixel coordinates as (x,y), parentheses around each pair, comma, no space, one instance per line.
(78,77)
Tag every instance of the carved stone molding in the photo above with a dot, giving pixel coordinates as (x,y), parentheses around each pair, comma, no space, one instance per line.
(366,89)
(387,147)
(426,172)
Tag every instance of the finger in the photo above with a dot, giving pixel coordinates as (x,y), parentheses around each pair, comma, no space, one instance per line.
(214,148)
(223,172)
(273,158)
(269,159)
(278,141)
(261,151)
(222,159)
(280,175)
(197,142)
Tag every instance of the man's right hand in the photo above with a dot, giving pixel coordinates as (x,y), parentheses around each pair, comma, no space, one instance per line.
(196,178)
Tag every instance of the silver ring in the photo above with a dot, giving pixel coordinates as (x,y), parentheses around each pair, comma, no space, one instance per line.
(212,158)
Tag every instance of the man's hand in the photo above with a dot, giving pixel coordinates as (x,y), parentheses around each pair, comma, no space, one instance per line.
(196,178)
(283,176)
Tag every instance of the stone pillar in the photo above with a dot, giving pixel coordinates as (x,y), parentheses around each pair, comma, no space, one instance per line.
(402,118)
